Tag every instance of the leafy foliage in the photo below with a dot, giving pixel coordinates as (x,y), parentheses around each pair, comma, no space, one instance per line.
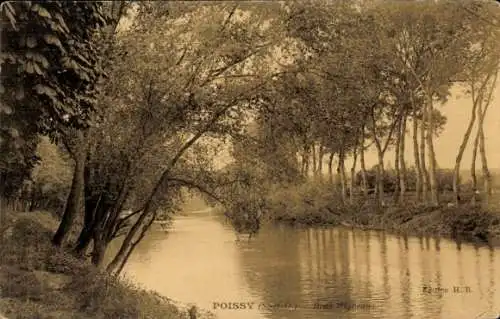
(52,177)
(51,63)
(281,83)
(59,63)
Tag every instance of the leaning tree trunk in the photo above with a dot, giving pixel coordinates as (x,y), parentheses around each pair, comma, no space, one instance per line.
(85,236)
(396,162)
(75,203)
(313,154)
(342,175)
(330,167)
(380,169)
(353,174)
(125,246)
(380,177)
(90,211)
(486,172)
(461,150)
(482,146)
(320,161)
(133,245)
(363,165)
(96,229)
(484,168)
(306,168)
(418,167)
(473,168)
(122,252)
(99,247)
(297,160)
(425,174)
(304,162)
(431,154)
(482,152)
(404,176)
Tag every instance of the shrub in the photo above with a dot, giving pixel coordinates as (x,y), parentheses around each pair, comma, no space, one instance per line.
(29,291)
(469,220)
(22,284)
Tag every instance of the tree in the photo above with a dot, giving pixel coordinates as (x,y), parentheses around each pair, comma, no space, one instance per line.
(51,178)
(216,79)
(479,140)
(436,39)
(52,72)
(76,139)
(345,91)
(479,77)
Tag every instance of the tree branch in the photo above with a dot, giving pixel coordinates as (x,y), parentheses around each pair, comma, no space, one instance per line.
(192,184)
(393,126)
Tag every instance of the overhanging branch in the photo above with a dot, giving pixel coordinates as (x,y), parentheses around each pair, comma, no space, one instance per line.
(194,185)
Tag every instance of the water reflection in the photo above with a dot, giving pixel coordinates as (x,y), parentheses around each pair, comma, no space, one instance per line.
(355,274)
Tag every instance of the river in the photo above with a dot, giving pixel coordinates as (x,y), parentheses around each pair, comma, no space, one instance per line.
(286,272)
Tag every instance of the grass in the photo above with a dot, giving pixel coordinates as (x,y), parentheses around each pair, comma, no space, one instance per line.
(316,205)
(38,280)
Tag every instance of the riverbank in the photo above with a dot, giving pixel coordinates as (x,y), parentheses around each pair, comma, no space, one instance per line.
(38,280)
(312,206)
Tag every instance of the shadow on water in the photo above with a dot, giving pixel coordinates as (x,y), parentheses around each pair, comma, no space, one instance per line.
(290,272)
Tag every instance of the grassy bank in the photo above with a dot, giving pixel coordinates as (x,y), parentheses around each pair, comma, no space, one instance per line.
(40,281)
(317,205)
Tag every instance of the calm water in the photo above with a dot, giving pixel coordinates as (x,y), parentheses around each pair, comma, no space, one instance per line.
(354,274)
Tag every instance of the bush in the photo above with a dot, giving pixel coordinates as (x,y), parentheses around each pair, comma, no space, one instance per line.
(308,203)
(103,296)
(61,262)
(444,178)
(317,204)
(21,284)
(30,266)
(31,232)
(470,220)
(26,247)
(52,177)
